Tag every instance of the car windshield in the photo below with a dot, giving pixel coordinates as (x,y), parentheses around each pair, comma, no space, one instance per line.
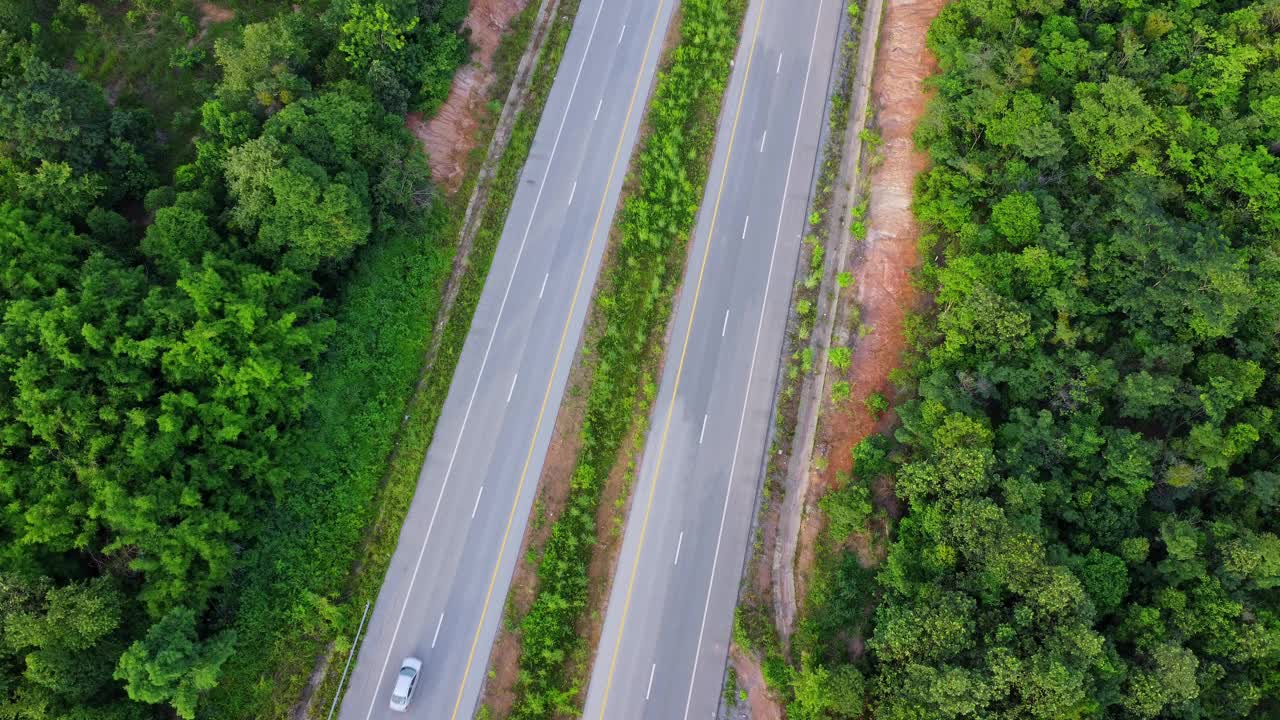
(407,672)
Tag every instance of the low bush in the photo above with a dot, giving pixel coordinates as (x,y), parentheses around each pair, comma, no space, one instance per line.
(877,405)
(841,358)
(840,391)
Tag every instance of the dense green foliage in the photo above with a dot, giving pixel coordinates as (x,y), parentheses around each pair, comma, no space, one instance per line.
(285,599)
(1089,454)
(653,230)
(160,329)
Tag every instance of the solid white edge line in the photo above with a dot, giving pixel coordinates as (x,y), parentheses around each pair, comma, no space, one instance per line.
(497,322)
(355,642)
(724,512)
(476,506)
(513,387)
(437,635)
(650,688)
(679,543)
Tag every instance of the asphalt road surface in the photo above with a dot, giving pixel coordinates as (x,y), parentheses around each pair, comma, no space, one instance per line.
(667,629)
(443,594)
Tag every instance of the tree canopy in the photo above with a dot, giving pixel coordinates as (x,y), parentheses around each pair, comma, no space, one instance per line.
(1088,451)
(167,292)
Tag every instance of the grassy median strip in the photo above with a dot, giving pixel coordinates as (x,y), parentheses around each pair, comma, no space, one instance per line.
(299,592)
(632,309)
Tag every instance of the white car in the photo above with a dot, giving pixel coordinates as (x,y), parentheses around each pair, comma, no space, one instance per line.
(406,681)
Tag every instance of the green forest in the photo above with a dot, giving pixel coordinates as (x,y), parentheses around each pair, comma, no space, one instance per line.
(1087,455)
(217,245)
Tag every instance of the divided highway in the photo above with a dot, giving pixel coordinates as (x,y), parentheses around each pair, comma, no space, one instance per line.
(443,595)
(667,629)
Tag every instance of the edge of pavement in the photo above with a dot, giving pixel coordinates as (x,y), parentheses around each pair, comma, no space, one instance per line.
(811,391)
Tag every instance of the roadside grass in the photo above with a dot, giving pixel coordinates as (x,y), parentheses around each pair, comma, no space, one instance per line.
(506,57)
(838,604)
(632,309)
(326,548)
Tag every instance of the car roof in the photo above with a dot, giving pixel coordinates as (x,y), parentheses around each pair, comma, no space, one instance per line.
(414,665)
(402,685)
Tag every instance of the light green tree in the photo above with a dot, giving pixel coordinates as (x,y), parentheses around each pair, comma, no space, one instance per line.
(1017,217)
(265,62)
(373,32)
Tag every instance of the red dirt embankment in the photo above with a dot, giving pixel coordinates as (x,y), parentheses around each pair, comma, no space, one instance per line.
(883,269)
(449,136)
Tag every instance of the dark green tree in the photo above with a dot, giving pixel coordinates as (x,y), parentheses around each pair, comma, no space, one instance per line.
(172,665)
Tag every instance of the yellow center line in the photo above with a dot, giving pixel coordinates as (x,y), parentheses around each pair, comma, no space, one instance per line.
(564,334)
(697,292)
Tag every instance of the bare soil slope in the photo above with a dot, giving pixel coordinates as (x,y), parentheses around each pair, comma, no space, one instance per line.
(451,134)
